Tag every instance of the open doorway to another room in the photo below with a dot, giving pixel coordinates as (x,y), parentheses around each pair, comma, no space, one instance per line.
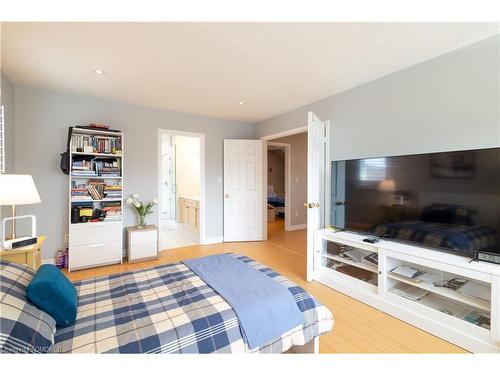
(179,189)
(278,159)
(287,184)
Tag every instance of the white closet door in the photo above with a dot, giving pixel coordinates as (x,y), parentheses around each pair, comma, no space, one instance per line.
(244,204)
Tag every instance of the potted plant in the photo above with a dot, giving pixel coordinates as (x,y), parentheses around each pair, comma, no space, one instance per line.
(142,208)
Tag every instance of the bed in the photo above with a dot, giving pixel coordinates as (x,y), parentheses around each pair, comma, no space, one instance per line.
(275,201)
(165,309)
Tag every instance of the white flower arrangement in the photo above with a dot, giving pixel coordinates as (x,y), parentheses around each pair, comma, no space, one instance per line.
(142,208)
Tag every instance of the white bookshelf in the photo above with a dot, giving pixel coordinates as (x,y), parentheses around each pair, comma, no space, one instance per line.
(444,312)
(95,243)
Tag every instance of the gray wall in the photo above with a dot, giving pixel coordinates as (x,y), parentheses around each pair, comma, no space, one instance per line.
(276,171)
(42,119)
(450,102)
(298,176)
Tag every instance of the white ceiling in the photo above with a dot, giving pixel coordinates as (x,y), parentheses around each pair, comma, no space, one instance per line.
(206,68)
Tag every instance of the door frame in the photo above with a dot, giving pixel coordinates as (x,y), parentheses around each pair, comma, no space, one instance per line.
(269,138)
(288,156)
(328,187)
(328,177)
(285,133)
(201,136)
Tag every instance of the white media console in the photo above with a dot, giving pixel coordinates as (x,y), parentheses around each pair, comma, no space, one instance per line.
(444,312)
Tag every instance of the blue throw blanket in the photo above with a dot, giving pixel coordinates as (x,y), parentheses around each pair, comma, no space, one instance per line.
(264,307)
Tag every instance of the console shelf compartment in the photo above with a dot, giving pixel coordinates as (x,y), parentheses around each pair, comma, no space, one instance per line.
(465,312)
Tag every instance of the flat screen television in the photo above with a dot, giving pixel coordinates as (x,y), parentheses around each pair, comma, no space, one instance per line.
(448,201)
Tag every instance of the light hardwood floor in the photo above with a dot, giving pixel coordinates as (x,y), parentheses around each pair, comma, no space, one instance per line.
(358,328)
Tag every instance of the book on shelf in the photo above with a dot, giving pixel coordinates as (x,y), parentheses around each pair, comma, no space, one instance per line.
(359,256)
(109,167)
(101,144)
(113,191)
(95,189)
(479,318)
(112,210)
(85,211)
(358,273)
(96,167)
(83,203)
(94,126)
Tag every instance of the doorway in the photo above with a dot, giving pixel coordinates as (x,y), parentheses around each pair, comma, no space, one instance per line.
(286,211)
(278,186)
(180,189)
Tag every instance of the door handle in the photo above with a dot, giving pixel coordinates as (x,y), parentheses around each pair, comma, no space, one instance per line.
(311,205)
(226,195)
(340,203)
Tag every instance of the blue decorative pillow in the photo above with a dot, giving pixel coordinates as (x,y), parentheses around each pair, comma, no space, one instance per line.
(53,293)
(23,327)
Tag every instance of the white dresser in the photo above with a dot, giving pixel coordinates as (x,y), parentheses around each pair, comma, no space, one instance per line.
(94,244)
(142,243)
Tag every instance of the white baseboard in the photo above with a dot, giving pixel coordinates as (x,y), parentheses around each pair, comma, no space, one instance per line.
(211,240)
(297,227)
(49,261)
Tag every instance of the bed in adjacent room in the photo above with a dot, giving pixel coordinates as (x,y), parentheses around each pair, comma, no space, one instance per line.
(277,202)
(165,309)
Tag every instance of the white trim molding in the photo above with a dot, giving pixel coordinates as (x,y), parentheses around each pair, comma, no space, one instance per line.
(297,227)
(212,240)
(285,133)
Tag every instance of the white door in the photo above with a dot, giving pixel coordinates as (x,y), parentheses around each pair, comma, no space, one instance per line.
(244,214)
(316,151)
(169,193)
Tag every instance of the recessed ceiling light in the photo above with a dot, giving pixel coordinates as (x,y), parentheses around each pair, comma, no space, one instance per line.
(99,71)
(241,102)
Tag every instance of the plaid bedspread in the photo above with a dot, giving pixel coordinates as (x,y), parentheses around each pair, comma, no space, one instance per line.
(168,309)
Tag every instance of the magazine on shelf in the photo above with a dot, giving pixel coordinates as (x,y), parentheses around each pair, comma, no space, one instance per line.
(354,254)
(409,291)
(372,258)
(457,309)
(407,272)
(475,290)
(430,278)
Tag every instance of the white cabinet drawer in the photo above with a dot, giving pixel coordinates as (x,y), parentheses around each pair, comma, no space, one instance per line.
(146,250)
(95,253)
(88,233)
(143,237)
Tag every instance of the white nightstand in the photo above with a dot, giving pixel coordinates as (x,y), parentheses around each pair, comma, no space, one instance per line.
(142,243)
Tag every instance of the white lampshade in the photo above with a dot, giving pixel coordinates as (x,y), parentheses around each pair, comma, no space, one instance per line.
(387,185)
(17,189)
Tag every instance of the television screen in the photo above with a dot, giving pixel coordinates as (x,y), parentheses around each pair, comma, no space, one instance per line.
(448,201)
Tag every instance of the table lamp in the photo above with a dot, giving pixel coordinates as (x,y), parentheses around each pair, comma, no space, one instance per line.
(17,189)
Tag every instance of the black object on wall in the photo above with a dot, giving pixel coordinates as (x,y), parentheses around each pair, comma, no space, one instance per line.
(65,162)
